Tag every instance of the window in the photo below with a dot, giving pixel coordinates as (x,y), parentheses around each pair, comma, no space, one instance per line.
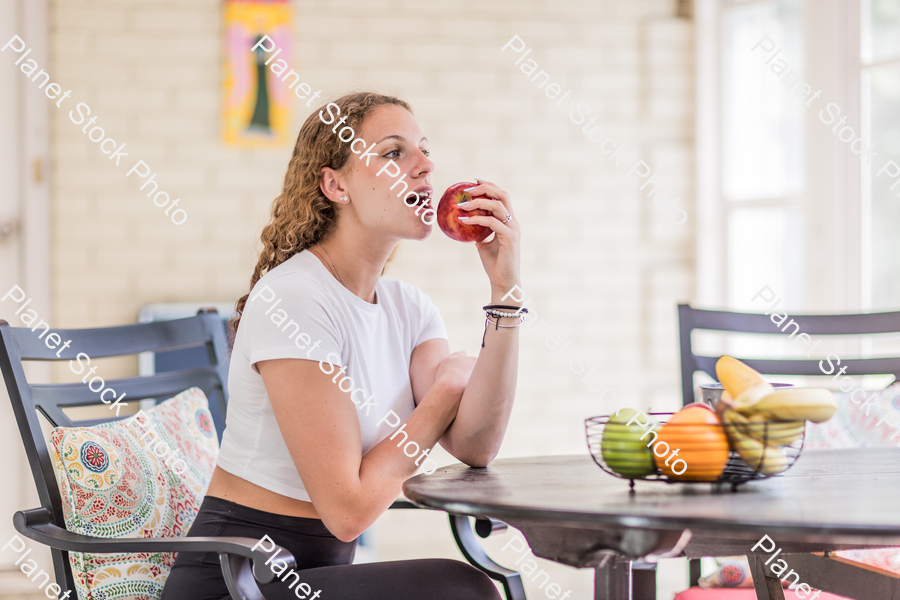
(781,200)
(880,86)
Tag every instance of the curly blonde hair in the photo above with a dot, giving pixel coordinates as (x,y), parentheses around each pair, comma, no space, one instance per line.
(301,215)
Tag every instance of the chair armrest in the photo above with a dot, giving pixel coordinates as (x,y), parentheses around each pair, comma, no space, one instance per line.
(473,552)
(471,549)
(37,525)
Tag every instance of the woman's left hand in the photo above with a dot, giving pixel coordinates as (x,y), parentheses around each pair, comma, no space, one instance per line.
(500,255)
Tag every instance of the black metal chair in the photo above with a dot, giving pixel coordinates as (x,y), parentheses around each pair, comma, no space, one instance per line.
(242,567)
(690,318)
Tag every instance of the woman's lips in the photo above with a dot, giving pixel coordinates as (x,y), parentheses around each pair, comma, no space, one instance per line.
(424,194)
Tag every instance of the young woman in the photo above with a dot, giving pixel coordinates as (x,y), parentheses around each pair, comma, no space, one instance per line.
(329,358)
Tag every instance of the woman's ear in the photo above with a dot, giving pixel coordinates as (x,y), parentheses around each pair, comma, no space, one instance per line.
(332,187)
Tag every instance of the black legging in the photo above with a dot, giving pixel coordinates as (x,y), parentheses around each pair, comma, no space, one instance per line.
(323,562)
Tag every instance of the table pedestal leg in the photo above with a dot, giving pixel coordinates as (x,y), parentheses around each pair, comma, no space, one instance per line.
(612,581)
(767,588)
(643,581)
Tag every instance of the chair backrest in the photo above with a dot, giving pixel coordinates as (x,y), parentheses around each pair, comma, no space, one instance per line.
(151,363)
(22,344)
(690,319)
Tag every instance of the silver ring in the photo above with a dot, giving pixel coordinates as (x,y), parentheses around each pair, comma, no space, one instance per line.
(508,218)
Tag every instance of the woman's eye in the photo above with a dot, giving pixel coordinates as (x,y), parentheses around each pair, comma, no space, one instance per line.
(396,153)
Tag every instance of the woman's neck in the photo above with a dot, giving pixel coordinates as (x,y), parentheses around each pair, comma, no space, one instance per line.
(357,261)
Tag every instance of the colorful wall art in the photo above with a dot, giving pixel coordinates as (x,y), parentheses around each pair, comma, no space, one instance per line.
(255,108)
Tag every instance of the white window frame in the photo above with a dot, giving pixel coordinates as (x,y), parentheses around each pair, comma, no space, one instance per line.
(830,204)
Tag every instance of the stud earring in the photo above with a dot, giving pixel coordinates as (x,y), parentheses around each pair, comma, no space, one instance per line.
(344,198)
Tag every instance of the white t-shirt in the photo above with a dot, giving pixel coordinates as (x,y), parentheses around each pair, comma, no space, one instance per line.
(299,310)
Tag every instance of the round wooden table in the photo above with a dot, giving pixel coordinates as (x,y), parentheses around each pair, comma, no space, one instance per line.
(573,513)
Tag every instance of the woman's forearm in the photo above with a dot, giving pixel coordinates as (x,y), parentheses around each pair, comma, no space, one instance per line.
(349,490)
(476,434)
(385,467)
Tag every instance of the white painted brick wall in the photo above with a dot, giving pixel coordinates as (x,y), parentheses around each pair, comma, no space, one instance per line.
(604,266)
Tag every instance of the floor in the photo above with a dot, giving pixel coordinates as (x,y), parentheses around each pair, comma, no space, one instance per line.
(15,586)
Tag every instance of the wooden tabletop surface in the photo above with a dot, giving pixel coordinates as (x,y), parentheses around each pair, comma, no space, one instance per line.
(829,499)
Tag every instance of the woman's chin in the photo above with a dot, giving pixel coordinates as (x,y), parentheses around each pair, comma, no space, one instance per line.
(410,226)
(422,232)
(419,230)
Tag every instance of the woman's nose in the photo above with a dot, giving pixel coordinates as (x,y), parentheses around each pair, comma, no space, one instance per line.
(423,165)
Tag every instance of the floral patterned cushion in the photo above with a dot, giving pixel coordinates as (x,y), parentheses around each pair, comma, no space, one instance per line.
(857,424)
(144,476)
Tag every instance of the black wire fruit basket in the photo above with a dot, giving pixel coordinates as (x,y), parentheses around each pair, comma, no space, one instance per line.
(729,453)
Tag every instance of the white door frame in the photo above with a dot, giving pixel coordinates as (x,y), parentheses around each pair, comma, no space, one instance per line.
(24,225)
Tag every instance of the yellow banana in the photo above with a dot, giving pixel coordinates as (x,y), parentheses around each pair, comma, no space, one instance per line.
(775,433)
(794,404)
(767,460)
(749,397)
(735,423)
(736,377)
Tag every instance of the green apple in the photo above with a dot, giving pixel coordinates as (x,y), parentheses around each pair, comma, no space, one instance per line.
(623,450)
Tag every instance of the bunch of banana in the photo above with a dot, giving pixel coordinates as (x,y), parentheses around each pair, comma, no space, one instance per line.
(754,397)
(766,459)
(782,433)
(758,426)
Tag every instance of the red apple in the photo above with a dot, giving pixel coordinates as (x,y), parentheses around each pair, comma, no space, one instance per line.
(448,213)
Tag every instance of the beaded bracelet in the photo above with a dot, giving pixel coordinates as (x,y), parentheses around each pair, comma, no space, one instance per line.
(497,325)
(494,310)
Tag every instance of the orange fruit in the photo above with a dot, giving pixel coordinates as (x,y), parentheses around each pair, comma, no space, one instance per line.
(697,434)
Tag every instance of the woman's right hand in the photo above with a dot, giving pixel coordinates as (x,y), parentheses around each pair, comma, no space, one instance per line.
(454,372)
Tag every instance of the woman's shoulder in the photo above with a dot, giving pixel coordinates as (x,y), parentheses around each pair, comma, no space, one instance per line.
(404,293)
(406,297)
(414,309)
(297,280)
(301,273)
(291,297)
